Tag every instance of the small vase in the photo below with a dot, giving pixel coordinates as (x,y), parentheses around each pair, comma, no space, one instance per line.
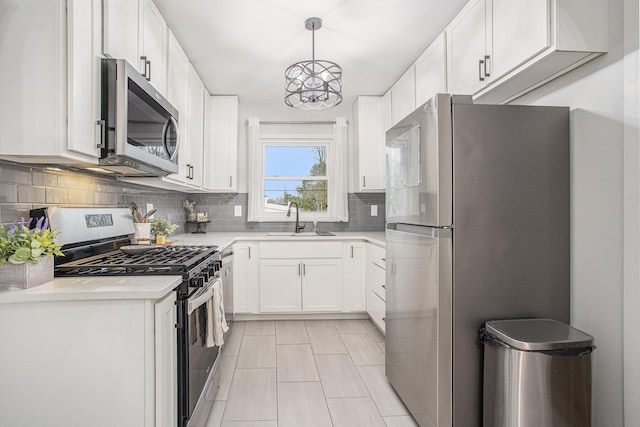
(160,239)
(27,275)
(192,217)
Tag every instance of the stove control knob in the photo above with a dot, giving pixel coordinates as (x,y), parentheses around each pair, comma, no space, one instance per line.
(205,275)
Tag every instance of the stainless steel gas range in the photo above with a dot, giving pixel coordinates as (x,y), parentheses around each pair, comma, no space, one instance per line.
(94,239)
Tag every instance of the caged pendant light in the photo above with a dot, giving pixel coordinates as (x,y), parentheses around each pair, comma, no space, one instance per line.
(314,84)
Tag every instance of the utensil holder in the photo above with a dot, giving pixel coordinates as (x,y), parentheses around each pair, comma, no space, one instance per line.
(141,233)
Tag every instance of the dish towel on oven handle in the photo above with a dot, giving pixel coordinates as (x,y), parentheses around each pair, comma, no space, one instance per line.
(216,321)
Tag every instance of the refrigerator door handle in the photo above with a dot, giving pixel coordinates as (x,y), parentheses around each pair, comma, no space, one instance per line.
(421,230)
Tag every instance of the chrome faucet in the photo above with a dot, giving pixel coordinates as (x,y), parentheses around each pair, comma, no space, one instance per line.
(297,230)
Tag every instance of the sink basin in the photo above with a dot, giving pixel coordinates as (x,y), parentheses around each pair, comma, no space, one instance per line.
(304,234)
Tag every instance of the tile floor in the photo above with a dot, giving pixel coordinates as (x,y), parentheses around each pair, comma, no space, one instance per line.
(306,374)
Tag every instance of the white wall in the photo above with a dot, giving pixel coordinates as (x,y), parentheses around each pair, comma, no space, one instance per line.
(596,95)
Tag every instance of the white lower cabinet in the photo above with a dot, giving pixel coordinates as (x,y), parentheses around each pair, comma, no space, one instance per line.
(112,362)
(354,284)
(246,272)
(166,362)
(300,277)
(376,288)
(293,285)
(280,285)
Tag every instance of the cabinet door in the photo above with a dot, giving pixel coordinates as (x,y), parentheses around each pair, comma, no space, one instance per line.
(178,90)
(221,143)
(521,29)
(166,362)
(246,268)
(120,25)
(195,122)
(280,285)
(403,96)
(431,71)
(322,284)
(154,44)
(369,137)
(353,283)
(468,47)
(84,71)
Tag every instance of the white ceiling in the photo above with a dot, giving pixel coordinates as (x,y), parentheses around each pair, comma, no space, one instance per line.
(242,47)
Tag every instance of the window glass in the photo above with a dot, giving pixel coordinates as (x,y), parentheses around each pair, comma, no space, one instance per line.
(284,167)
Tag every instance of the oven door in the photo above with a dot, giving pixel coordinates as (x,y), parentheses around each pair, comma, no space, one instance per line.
(200,358)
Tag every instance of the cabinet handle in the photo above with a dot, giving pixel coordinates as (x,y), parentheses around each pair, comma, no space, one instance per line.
(384,319)
(384,286)
(351,251)
(249,252)
(144,64)
(188,170)
(230,181)
(480,73)
(487,65)
(192,170)
(364,182)
(304,269)
(149,76)
(103,134)
(299,269)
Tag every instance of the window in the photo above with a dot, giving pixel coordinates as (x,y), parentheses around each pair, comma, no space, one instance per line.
(307,169)
(295,173)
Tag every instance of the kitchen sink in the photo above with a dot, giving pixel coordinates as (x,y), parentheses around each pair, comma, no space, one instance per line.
(304,234)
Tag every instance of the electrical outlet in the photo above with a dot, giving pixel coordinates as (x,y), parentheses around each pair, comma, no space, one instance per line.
(238,210)
(374,210)
(149,207)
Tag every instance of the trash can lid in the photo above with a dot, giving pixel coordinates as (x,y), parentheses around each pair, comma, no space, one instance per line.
(538,334)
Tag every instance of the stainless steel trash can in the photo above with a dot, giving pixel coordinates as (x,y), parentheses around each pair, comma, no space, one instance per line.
(537,373)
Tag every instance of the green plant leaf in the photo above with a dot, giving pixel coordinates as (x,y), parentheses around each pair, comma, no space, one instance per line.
(21,256)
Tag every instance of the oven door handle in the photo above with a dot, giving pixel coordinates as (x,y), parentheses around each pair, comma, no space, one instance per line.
(197,301)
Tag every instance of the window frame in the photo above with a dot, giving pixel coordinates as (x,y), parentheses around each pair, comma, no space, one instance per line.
(297,140)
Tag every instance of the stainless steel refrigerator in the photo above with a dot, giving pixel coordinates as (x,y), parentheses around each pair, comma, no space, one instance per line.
(477,230)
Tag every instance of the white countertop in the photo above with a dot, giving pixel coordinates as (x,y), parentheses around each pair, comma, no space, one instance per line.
(95,288)
(154,287)
(227,238)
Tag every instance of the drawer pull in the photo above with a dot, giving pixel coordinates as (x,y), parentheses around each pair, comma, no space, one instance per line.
(384,319)
(384,286)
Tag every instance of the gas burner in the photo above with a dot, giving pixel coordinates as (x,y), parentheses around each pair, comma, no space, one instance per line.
(176,260)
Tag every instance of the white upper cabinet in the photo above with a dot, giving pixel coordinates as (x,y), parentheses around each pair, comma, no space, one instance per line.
(520,30)
(403,95)
(501,49)
(468,47)
(136,31)
(50,83)
(121,21)
(177,94)
(221,144)
(153,46)
(195,132)
(431,71)
(369,141)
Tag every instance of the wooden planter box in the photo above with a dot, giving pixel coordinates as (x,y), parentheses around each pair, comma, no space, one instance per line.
(27,275)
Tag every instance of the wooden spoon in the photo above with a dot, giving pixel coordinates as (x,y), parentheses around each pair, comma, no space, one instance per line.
(148,215)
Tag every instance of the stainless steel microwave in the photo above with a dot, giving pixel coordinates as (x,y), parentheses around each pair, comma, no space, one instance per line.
(140,135)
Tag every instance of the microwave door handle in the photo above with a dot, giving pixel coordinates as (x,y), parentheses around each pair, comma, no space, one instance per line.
(165,131)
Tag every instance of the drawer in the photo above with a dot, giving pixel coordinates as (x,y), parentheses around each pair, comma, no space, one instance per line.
(376,279)
(377,255)
(275,250)
(376,309)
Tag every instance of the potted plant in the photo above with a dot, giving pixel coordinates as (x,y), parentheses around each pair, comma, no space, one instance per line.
(26,255)
(162,228)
